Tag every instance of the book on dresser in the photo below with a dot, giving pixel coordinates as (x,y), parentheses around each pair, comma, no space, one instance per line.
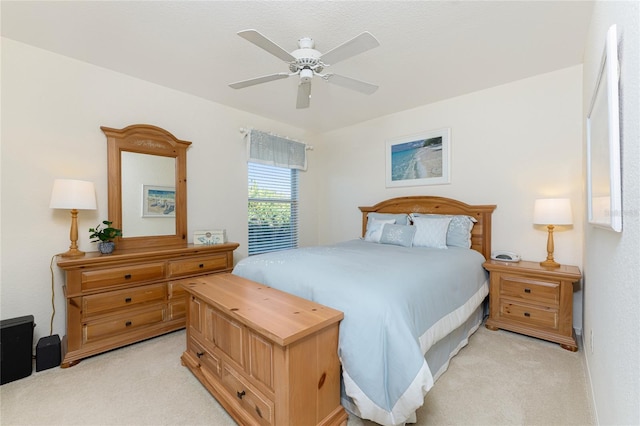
(131,295)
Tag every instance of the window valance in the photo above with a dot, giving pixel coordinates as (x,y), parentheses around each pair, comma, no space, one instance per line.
(273,150)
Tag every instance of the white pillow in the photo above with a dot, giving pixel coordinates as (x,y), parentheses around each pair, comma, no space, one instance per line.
(374,229)
(459,233)
(431,232)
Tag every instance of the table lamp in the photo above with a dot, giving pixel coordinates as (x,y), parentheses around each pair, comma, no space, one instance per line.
(73,195)
(552,212)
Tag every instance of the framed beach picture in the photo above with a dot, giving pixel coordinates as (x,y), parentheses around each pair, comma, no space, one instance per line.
(158,201)
(420,159)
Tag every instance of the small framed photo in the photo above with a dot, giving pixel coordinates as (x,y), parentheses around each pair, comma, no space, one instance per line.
(158,201)
(420,159)
(206,238)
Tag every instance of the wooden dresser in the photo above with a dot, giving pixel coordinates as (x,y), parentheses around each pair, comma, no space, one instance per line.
(268,357)
(131,295)
(528,298)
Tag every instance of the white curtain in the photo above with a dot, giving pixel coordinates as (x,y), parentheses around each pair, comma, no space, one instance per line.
(265,148)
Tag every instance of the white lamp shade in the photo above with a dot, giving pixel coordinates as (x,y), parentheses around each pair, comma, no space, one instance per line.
(73,194)
(552,211)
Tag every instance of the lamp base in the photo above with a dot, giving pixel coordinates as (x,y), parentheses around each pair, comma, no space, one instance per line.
(550,264)
(72,253)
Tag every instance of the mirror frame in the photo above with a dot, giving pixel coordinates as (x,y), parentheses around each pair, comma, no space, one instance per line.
(152,140)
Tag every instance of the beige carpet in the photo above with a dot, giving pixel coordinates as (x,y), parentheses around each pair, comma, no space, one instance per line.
(500,378)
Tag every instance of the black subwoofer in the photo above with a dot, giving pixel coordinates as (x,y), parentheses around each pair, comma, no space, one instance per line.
(16,346)
(48,352)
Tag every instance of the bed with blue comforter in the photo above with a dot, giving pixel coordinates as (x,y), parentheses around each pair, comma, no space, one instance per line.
(407,309)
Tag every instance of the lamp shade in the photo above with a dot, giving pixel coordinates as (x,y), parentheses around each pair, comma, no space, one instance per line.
(73,194)
(552,211)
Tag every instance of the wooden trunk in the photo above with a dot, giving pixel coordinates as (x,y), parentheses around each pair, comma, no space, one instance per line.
(270,358)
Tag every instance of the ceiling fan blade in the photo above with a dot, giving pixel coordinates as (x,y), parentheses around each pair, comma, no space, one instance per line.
(261,41)
(304,95)
(351,83)
(353,47)
(258,80)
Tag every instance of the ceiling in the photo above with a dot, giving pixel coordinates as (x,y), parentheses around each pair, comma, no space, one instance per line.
(429,50)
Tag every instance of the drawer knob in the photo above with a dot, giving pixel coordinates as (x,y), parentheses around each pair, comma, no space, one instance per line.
(128,323)
(199,354)
(241,394)
(127,276)
(127,300)
(201,265)
(527,290)
(527,314)
(259,412)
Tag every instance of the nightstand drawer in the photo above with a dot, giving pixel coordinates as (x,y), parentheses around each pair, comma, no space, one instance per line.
(530,289)
(530,315)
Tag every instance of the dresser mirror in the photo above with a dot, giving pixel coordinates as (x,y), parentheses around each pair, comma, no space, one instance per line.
(147,169)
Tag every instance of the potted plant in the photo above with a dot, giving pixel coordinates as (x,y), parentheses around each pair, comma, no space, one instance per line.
(105,234)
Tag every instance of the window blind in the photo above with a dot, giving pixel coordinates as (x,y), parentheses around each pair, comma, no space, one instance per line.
(273,208)
(265,148)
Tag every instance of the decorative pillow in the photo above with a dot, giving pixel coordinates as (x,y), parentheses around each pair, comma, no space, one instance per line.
(374,229)
(459,232)
(400,218)
(399,235)
(431,231)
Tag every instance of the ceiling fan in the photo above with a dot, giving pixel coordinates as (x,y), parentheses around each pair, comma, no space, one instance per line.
(307,62)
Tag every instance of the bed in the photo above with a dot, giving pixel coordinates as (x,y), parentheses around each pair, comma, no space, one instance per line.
(410,299)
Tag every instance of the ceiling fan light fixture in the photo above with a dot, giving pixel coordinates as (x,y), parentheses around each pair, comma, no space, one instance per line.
(305,75)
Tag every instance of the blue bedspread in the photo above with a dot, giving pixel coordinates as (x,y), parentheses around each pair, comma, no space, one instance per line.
(397,302)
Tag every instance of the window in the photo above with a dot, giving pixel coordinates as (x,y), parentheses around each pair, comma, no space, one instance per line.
(273,208)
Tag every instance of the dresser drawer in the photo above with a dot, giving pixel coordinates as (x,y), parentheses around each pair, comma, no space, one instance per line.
(177,300)
(252,401)
(175,290)
(177,309)
(531,290)
(114,300)
(204,357)
(122,323)
(92,280)
(530,315)
(213,263)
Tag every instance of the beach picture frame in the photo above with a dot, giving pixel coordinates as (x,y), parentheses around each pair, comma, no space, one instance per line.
(158,201)
(419,159)
(604,180)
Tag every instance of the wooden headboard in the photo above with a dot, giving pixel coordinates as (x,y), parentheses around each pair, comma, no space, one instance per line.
(480,234)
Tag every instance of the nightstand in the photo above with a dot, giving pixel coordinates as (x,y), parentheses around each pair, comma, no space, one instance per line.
(531,299)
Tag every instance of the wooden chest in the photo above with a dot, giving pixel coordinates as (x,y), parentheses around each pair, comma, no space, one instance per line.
(270,358)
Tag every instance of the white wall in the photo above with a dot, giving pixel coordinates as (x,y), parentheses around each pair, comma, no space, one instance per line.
(510,145)
(52,110)
(612,260)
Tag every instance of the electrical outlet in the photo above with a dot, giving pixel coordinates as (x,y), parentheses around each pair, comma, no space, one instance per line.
(591,340)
